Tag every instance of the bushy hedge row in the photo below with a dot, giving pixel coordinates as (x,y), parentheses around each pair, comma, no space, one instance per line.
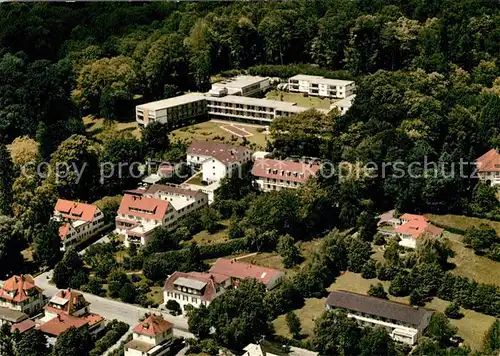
(116,330)
(223,249)
(287,71)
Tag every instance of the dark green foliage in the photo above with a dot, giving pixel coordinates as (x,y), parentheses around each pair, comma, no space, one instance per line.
(491,341)
(367,225)
(101,258)
(289,251)
(69,272)
(377,342)
(32,343)
(173,306)
(235,230)
(369,269)
(379,239)
(417,297)
(116,329)
(116,280)
(199,321)
(440,329)
(336,334)
(293,323)
(128,293)
(10,247)
(94,286)
(400,285)
(452,311)
(481,237)
(6,180)
(47,245)
(391,253)
(386,272)
(283,298)
(210,220)
(377,291)
(358,252)
(162,240)
(74,341)
(155,139)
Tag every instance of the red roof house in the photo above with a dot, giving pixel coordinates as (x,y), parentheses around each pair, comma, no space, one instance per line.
(488,167)
(413,227)
(19,292)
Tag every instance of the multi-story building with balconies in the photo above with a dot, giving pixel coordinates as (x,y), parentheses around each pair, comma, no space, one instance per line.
(404,323)
(272,174)
(320,86)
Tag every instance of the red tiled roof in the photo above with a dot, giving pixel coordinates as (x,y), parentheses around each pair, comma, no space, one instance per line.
(76,301)
(21,286)
(285,170)
(417,225)
(153,325)
(211,279)
(23,326)
(489,162)
(61,323)
(221,151)
(63,230)
(92,319)
(75,210)
(143,207)
(155,188)
(242,270)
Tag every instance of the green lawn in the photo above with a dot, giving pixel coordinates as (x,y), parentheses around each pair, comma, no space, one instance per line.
(468,264)
(206,238)
(299,99)
(462,222)
(471,327)
(98,128)
(212,131)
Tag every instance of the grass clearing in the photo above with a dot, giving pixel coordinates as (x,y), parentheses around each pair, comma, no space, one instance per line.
(97,127)
(313,308)
(471,327)
(299,99)
(206,238)
(156,294)
(196,179)
(468,264)
(212,131)
(462,222)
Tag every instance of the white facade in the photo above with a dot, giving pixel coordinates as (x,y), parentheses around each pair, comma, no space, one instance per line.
(320,86)
(213,170)
(173,111)
(493,178)
(242,85)
(343,105)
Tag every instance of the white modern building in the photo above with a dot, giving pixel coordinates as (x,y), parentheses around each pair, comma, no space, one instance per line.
(242,85)
(403,323)
(320,86)
(216,160)
(343,104)
(173,111)
(265,348)
(152,337)
(488,167)
(272,174)
(143,210)
(79,221)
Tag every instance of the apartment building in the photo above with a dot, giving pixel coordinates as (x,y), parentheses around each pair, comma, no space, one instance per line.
(250,110)
(195,288)
(216,160)
(404,323)
(68,309)
(152,337)
(20,293)
(143,210)
(488,167)
(343,105)
(79,221)
(320,86)
(173,111)
(242,85)
(272,174)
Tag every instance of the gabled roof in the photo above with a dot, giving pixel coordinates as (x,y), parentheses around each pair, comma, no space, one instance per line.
(417,225)
(143,207)
(153,325)
(210,281)
(63,230)
(489,162)
(222,152)
(285,170)
(378,307)
(68,302)
(171,189)
(242,270)
(23,326)
(21,286)
(76,210)
(62,322)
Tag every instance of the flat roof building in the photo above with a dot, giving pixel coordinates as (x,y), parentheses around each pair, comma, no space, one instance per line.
(242,85)
(320,86)
(344,104)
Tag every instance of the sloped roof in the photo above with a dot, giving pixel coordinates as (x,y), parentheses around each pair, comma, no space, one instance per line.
(69,302)
(171,189)
(143,207)
(489,162)
(220,151)
(21,286)
(242,270)
(417,225)
(210,279)
(76,210)
(285,170)
(378,307)
(153,325)
(63,230)
(61,323)
(23,326)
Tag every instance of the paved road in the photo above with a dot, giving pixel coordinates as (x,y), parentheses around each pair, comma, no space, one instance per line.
(112,309)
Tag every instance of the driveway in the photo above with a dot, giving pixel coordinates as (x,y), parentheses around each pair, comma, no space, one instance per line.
(113,309)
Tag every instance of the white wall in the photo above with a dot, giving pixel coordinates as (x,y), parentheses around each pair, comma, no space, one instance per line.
(213,170)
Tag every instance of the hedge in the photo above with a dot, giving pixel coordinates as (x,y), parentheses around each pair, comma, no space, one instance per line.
(116,330)
(289,70)
(223,249)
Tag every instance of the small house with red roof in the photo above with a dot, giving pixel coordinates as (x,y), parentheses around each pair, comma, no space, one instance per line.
(78,221)
(195,288)
(153,336)
(273,174)
(20,293)
(69,309)
(488,167)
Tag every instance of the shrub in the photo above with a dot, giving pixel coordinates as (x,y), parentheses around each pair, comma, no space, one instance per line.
(116,330)
(174,307)
(453,311)
(379,239)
